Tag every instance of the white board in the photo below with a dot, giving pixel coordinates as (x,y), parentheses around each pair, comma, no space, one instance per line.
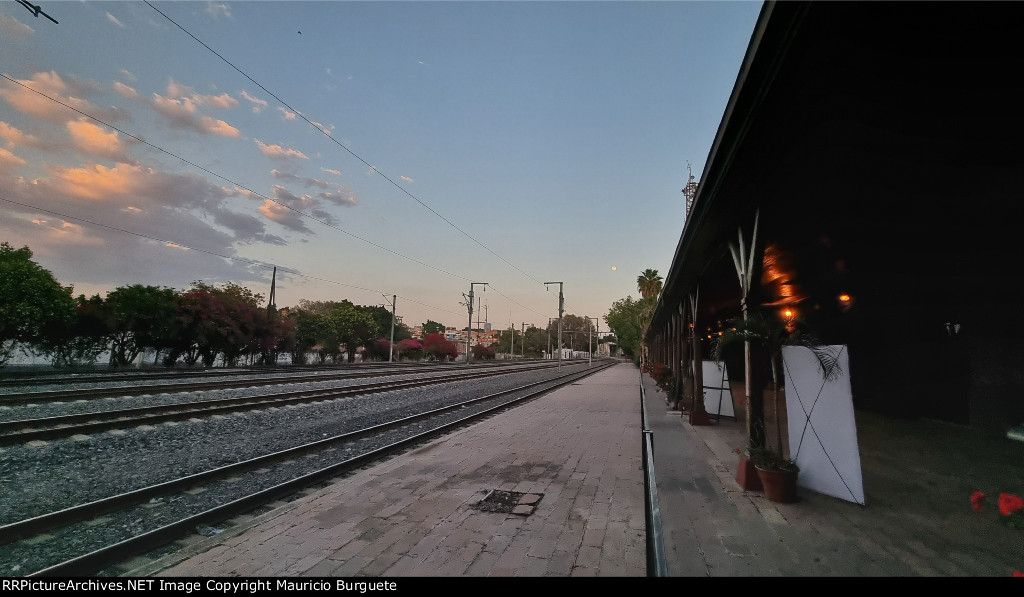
(717,395)
(822,428)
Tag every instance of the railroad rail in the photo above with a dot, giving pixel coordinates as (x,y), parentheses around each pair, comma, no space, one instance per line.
(259,481)
(24,430)
(62,395)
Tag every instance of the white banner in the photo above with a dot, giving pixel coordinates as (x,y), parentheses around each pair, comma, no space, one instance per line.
(717,395)
(822,427)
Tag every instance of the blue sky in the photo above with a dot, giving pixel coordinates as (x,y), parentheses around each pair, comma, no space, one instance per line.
(366,149)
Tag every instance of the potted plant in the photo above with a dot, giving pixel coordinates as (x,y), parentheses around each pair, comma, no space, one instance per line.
(769,335)
(777,474)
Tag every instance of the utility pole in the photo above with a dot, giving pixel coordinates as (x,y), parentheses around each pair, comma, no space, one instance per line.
(391,347)
(561,308)
(469,330)
(590,346)
(523,349)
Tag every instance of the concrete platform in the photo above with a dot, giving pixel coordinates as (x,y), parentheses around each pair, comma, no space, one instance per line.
(579,449)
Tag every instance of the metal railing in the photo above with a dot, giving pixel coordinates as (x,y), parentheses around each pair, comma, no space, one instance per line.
(657,564)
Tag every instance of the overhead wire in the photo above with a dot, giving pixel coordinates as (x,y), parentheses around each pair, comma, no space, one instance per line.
(339,144)
(238,185)
(243,187)
(287,270)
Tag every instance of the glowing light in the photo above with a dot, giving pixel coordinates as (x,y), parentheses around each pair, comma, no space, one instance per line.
(844,298)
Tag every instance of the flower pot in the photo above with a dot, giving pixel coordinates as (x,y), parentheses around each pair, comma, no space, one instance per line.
(779,486)
(746,475)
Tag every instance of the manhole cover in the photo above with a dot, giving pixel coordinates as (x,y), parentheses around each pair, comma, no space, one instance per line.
(509,502)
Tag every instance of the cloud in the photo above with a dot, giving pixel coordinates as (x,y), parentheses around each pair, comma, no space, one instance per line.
(343,196)
(287,210)
(331,171)
(326,128)
(218,9)
(9,161)
(278,152)
(258,104)
(99,183)
(309,182)
(183,110)
(217,127)
(13,29)
(287,114)
(125,90)
(407,179)
(70,234)
(123,210)
(96,140)
(127,74)
(114,20)
(14,136)
(68,92)
(285,175)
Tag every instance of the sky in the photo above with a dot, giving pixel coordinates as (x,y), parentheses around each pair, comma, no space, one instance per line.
(365,149)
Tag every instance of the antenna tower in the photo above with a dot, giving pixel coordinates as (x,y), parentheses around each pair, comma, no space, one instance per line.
(690,190)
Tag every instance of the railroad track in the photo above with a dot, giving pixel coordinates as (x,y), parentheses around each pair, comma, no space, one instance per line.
(25,430)
(50,377)
(113,529)
(64,395)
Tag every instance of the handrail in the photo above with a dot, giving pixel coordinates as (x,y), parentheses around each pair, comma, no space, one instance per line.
(657,564)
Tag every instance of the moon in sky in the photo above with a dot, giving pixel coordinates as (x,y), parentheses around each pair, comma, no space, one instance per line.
(613,268)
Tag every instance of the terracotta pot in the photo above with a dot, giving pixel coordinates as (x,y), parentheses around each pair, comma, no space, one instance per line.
(779,486)
(746,475)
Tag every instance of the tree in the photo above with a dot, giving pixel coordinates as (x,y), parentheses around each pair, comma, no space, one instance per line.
(79,341)
(649,283)
(624,320)
(355,326)
(409,349)
(382,317)
(481,352)
(138,317)
(576,330)
(31,301)
(535,342)
(438,348)
(432,327)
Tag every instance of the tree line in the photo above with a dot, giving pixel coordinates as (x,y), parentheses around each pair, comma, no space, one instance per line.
(203,324)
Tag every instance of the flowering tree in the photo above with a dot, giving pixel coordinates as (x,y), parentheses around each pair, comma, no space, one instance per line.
(437,347)
(410,349)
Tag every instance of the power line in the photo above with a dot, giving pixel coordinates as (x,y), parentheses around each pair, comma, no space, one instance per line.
(215,254)
(239,185)
(336,142)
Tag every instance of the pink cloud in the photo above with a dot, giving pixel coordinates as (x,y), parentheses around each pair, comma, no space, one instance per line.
(278,152)
(14,136)
(25,99)
(99,183)
(258,104)
(8,160)
(96,140)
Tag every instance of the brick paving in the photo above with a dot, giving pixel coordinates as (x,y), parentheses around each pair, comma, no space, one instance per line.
(580,449)
(575,454)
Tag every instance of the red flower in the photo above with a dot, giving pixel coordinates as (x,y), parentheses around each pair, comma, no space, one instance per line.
(1009,503)
(977,500)
(1018,573)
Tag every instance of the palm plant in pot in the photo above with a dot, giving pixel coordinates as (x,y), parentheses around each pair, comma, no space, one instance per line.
(776,472)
